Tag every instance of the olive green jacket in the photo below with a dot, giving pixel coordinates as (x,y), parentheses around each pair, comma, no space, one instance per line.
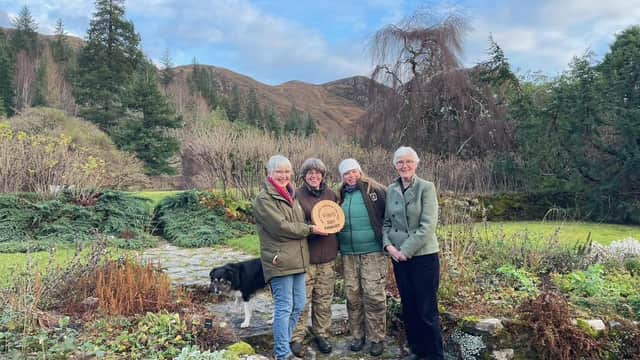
(411,218)
(282,232)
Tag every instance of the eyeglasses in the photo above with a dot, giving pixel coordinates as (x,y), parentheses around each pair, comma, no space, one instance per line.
(405,162)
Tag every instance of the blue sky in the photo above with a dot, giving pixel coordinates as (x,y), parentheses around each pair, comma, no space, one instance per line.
(274,41)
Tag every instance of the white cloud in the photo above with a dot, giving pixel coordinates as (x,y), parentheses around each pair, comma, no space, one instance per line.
(268,42)
(5,20)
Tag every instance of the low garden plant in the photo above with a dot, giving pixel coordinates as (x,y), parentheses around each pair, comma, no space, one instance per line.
(196,219)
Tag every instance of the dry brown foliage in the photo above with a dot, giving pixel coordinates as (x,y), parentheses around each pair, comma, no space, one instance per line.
(222,157)
(553,335)
(126,288)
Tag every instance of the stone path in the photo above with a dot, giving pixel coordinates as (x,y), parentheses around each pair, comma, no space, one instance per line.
(191,267)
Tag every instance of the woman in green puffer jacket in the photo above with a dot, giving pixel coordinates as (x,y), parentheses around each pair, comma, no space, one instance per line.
(365,266)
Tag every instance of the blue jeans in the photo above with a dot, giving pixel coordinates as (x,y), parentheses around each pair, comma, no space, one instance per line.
(289,296)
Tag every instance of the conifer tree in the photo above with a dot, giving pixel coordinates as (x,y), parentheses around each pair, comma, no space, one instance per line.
(167,72)
(272,122)
(25,36)
(7,93)
(39,98)
(310,126)
(106,64)
(149,115)
(254,114)
(60,50)
(293,123)
(235,105)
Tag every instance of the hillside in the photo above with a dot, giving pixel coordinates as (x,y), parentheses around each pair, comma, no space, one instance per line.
(335,105)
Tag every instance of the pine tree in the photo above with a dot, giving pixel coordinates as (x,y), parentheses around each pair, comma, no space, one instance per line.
(106,64)
(167,72)
(7,93)
(310,127)
(235,105)
(272,122)
(293,123)
(39,98)
(254,114)
(25,36)
(60,50)
(149,116)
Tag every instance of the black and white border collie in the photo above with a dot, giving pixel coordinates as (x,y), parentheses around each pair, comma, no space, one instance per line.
(241,279)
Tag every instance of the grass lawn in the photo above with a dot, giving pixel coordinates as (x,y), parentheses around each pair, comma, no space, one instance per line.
(248,244)
(20,263)
(568,232)
(155,196)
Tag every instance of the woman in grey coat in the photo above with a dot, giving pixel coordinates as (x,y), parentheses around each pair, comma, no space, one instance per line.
(409,237)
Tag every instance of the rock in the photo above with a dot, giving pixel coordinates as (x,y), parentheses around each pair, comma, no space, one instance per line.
(90,303)
(596,324)
(506,354)
(614,324)
(490,325)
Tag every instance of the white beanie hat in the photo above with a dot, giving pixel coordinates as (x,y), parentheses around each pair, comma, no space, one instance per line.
(347,165)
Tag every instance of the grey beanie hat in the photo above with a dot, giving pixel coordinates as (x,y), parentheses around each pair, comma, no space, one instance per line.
(312,164)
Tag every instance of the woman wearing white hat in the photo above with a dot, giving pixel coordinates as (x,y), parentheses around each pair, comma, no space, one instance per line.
(365,265)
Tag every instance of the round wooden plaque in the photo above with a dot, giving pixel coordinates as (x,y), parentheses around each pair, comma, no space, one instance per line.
(328,215)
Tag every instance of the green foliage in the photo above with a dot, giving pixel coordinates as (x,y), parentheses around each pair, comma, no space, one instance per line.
(234,109)
(31,224)
(603,289)
(204,81)
(167,72)
(18,336)
(149,116)
(194,219)
(7,93)
(60,50)
(39,98)
(106,64)
(156,335)
(293,122)
(519,278)
(25,36)
(633,266)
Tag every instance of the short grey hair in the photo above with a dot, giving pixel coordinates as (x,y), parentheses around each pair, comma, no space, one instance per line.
(277,162)
(312,164)
(404,151)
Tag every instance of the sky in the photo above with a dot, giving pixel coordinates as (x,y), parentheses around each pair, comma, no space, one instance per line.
(274,41)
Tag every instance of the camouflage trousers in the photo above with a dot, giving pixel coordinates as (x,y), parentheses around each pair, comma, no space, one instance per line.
(320,281)
(364,285)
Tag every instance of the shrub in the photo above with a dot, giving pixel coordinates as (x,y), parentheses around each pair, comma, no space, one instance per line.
(603,289)
(126,288)
(31,223)
(103,162)
(195,219)
(553,335)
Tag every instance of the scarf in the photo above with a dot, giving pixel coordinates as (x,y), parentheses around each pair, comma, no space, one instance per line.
(315,192)
(350,188)
(286,193)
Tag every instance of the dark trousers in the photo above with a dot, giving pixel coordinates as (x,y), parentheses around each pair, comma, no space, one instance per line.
(418,279)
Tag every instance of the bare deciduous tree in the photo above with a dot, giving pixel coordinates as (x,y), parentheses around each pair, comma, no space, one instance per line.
(432,103)
(24,78)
